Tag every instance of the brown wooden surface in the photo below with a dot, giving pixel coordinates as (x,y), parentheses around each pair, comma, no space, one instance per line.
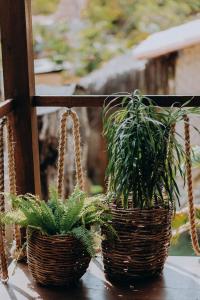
(98,100)
(180,281)
(16,37)
(6,107)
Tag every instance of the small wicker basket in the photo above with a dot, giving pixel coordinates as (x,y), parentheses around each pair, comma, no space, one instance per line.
(55,260)
(141,248)
(59,259)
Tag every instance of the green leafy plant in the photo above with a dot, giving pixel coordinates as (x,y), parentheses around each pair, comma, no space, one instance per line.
(144,154)
(52,41)
(44,6)
(73,217)
(181,224)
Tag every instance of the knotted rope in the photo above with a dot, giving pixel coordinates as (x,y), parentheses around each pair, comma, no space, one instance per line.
(12,179)
(4,268)
(17,251)
(77,150)
(2,198)
(170,153)
(193,229)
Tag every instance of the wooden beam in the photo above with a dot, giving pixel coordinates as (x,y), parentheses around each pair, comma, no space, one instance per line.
(6,107)
(17,57)
(98,100)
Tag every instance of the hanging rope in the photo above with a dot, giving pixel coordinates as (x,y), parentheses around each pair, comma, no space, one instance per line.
(2,198)
(61,153)
(4,266)
(77,150)
(11,160)
(193,229)
(17,252)
(170,154)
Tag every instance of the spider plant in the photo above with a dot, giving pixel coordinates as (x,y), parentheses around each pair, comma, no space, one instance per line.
(144,153)
(73,217)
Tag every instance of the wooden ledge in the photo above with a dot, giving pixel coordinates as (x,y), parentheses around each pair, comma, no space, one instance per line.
(98,100)
(180,281)
(6,107)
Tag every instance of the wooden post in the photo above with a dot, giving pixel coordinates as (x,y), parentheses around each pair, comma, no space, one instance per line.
(17,57)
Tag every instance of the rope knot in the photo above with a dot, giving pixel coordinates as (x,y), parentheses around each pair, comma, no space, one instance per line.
(68,111)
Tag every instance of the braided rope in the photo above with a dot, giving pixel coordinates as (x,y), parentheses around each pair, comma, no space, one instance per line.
(2,198)
(170,153)
(4,267)
(12,179)
(77,150)
(193,229)
(11,160)
(61,153)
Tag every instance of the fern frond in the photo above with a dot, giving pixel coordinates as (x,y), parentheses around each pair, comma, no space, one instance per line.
(72,214)
(48,218)
(86,238)
(16,217)
(53,201)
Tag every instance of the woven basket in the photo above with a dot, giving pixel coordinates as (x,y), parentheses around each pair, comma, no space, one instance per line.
(142,244)
(59,259)
(55,260)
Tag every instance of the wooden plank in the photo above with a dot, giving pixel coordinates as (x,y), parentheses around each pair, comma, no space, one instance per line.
(16,38)
(69,101)
(98,100)
(6,107)
(176,282)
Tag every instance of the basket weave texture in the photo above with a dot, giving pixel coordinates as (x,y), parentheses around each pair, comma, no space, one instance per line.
(55,260)
(141,248)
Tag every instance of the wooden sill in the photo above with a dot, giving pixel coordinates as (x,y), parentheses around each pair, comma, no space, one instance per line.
(180,281)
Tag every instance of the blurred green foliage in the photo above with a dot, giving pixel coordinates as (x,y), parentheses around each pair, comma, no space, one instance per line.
(179,220)
(134,19)
(96,189)
(183,247)
(94,51)
(44,7)
(51,40)
(111,27)
(181,240)
(126,23)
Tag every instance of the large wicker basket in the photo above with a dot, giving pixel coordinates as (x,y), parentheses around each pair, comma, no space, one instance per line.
(142,244)
(55,260)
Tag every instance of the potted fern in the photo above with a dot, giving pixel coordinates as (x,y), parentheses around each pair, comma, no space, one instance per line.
(60,242)
(145,155)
